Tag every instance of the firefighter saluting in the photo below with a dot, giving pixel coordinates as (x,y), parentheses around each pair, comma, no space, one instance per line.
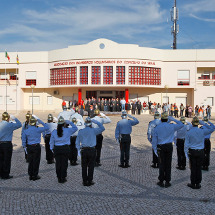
(47,135)
(123,136)
(6,146)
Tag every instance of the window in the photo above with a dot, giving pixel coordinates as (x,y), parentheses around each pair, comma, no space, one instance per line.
(213,75)
(183,77)
(108,75)
(3,76)
(9,100)
(120,94)
(49,100)
(120,75)
(144,75)
(13,76)
(31,78)
(205,76)
(90,94)
(36,100)
(209,101)
(96,75)
(83,75)
(63,76)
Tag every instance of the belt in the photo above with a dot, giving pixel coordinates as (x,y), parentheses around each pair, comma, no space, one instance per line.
(48,135)
(180,139)
(84,148)
(196,149)
(33,144)
(5,142)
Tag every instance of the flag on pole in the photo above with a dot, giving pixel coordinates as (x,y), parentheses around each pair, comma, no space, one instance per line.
(7,56)
(17,59)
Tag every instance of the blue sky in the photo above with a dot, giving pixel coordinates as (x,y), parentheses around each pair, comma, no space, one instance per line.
(43,25)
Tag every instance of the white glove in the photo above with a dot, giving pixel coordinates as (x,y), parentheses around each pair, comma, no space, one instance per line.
(102,114)
(26,150)
(55,119)
(12,117)
(35,116)
(52,151)
(117,141)
(78,120)
(79,153)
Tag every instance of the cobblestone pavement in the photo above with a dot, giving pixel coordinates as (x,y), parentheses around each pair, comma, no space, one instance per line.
(116,190)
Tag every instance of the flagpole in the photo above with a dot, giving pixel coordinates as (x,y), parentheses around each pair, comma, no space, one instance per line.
(5,88)
(16,81)
(16,89)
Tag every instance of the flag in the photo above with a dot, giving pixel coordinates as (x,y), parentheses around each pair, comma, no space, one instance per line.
(17,60)
(7,56)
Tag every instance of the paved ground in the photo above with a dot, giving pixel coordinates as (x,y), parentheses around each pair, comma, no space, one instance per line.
(117,191)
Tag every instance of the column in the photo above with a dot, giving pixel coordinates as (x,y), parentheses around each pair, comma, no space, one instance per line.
(79,96)
(126,95)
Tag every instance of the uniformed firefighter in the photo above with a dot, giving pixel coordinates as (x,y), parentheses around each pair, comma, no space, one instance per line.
(6,147)
(47,136)
(77,116)
(86,142)
(179,140)
(194,149)
(66,114)
(73,155)
(103,119)
(151,126)
(162,144)
(207,146)
(32,136)
(123,137)
(59,143)
(25,126)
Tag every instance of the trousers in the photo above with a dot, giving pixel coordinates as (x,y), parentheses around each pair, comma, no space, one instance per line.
(154,158)
(6,149)
(195,158)
(49,153)
(88,155)
(34,155)
(180,153)
(73,150)
(207,149)
(99,139)
(61,154)
(165,161)
(125,144)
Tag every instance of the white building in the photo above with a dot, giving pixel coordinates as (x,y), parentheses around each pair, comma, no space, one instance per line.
(103,68)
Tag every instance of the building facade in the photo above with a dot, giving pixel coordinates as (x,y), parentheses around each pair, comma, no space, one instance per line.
(105,69)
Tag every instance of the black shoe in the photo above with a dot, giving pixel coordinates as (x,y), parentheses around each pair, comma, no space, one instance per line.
(205,168)
(50,162)
(34,178)
(73,163)
(63,180)
(191,185)
(59,180)
(127,165)
(167,184)
(8,177)
(183,168)
(178,167)
(97,164)
(30,178)
(198,186)
(160,183)
(121,165)
(85,183)
(153,165)
(90,183)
